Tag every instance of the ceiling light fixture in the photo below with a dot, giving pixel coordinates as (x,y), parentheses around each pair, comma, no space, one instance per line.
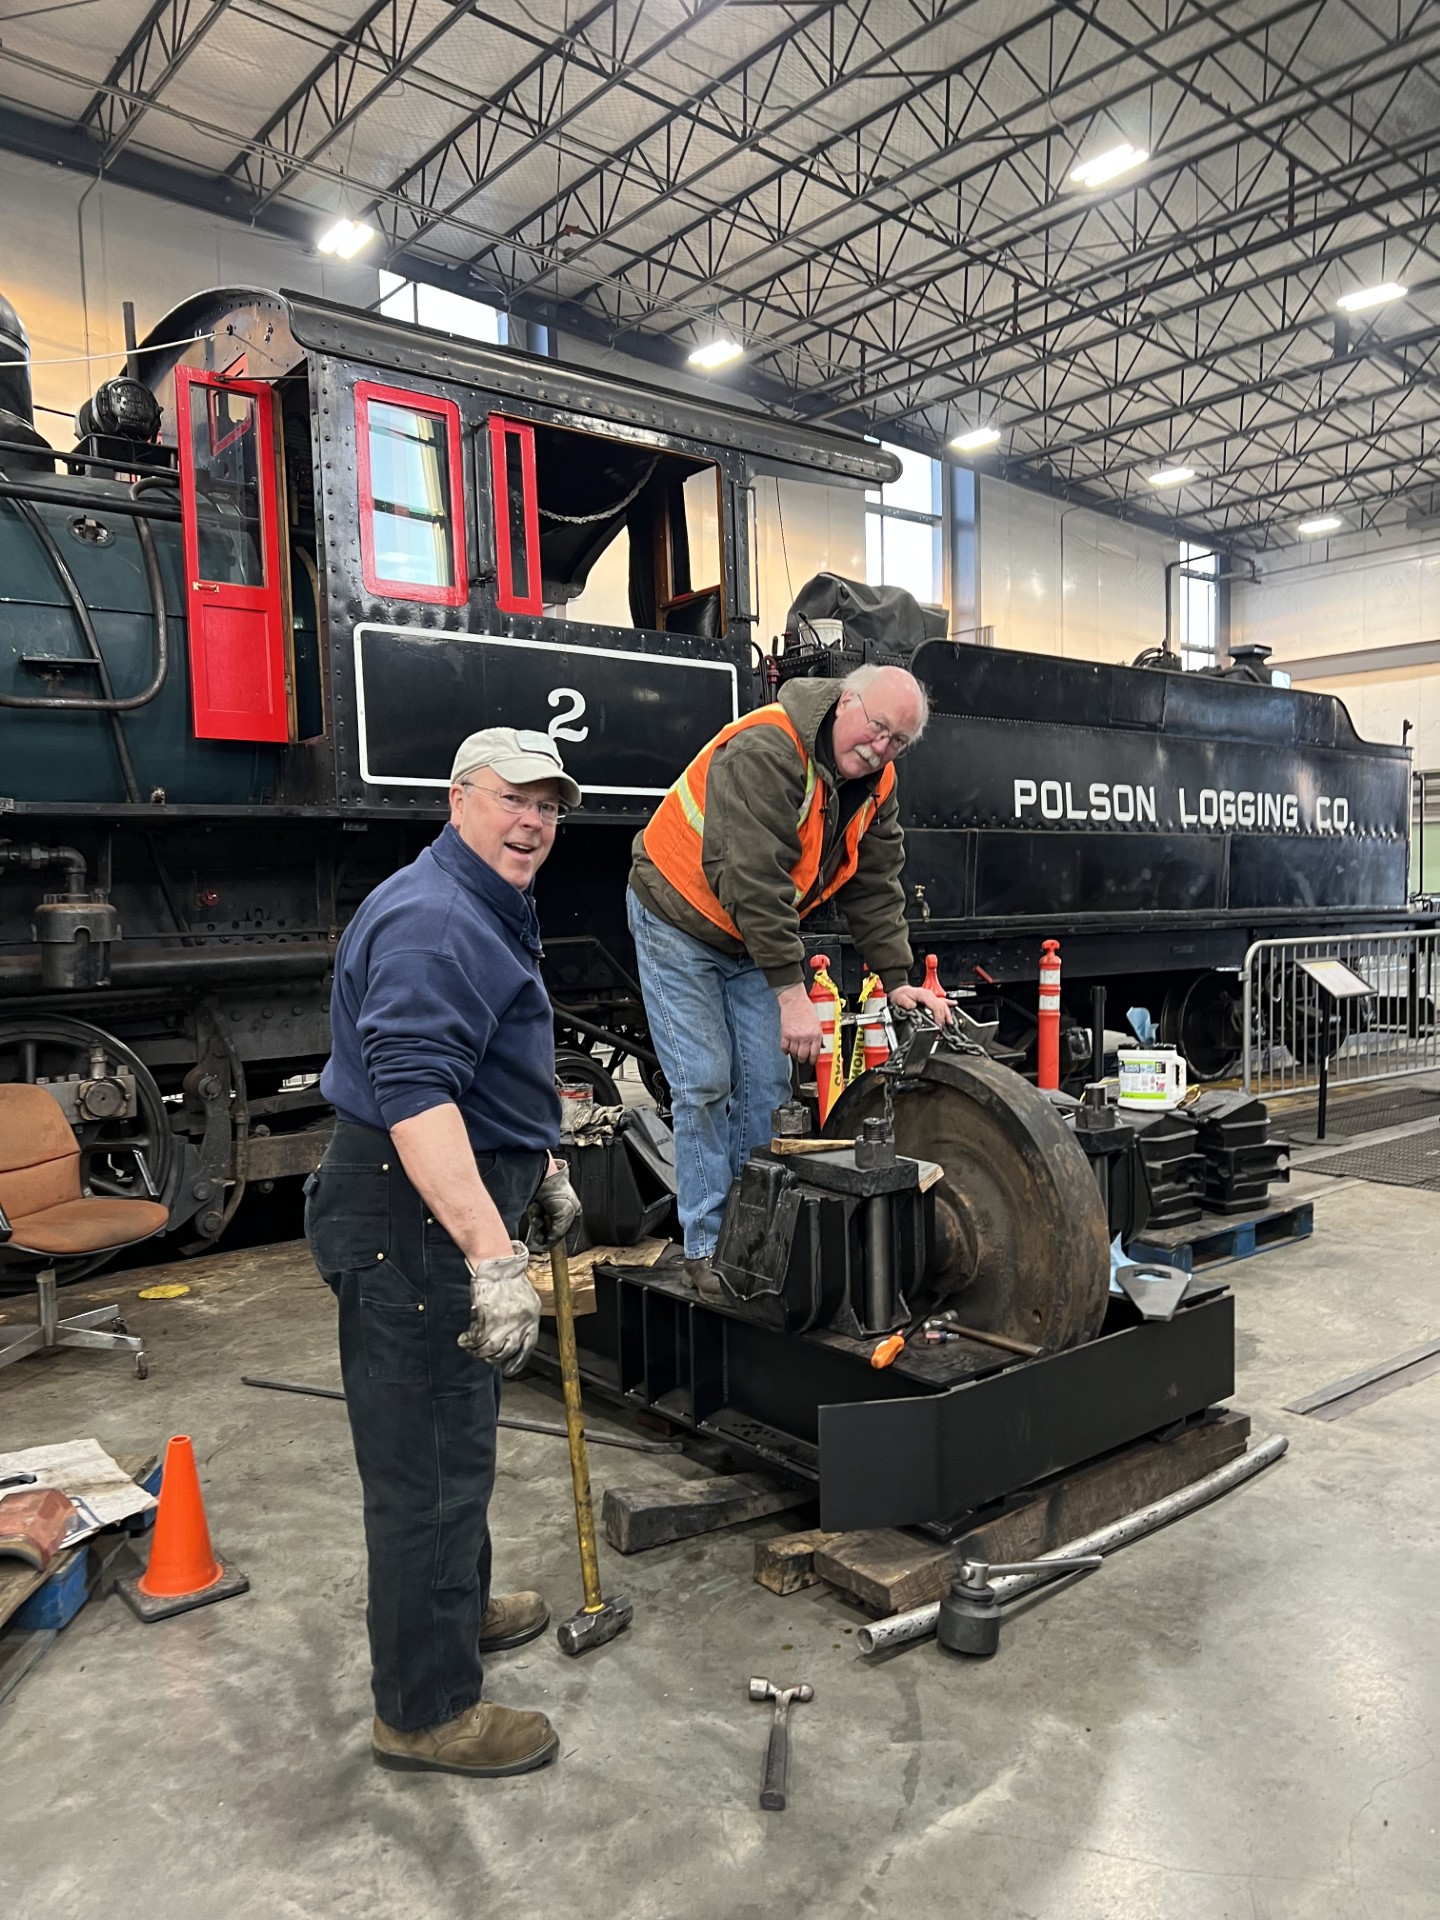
(1106,167)
(716,353)
(976,440)
(1322,523)
(346,238)
(1366,297)
(1171,476)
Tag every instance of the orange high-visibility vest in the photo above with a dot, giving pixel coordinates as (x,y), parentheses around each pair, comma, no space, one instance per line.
(675,837)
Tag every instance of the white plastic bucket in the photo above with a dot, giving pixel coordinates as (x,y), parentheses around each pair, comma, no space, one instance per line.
(1151,1077)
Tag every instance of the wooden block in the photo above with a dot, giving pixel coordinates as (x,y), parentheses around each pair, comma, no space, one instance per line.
(890,1571)
(635,1518)
(787,1564)
(885,1567)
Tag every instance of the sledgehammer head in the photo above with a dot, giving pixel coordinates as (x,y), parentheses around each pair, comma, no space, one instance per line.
(585,1629)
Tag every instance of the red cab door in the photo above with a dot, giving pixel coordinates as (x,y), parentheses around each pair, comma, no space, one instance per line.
(234,587)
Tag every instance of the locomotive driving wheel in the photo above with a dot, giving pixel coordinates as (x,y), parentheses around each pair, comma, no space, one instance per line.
(1203,1016)
(1022,1245)
(84,1063)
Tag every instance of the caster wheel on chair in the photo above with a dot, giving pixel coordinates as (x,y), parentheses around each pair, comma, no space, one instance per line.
(119,1325)
(142,1367)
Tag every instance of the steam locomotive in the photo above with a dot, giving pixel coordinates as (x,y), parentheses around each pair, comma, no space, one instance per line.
(299,550)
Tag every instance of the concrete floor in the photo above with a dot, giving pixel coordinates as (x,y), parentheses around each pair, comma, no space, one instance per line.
(1235,1720)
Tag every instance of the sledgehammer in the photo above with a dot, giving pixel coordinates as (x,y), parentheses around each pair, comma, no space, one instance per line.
(599,1619)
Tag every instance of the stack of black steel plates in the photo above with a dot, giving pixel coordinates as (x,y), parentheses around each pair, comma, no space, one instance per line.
(1174,1166)
(1240,1158)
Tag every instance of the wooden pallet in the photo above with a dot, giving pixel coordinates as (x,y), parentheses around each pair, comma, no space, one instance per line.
(890,1570)
(1209,1242)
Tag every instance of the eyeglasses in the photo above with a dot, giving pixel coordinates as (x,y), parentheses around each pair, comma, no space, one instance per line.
(552,812)
(899,742)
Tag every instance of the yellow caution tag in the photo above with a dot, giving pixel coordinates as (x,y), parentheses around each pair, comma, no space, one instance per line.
(172,1290)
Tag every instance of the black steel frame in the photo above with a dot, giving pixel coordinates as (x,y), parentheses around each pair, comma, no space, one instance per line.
(925,1442)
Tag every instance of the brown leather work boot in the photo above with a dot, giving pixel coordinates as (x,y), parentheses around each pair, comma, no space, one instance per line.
(485,1740)
(511,1619)
(704,1282)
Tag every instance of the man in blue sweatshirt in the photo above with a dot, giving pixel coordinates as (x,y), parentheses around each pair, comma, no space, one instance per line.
(442,1076)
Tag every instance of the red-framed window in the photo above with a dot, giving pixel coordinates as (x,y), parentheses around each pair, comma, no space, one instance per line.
(517,516)
(412,495)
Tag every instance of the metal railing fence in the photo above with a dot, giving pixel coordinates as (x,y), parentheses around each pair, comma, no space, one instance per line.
(1292,1025)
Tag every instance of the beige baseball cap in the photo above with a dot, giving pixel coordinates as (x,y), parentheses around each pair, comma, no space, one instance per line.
(518,756)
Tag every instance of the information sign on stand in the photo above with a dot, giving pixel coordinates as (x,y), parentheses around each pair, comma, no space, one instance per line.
(1336,982)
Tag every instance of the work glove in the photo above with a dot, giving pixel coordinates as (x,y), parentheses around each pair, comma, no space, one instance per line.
(504,1311)
(553,1211)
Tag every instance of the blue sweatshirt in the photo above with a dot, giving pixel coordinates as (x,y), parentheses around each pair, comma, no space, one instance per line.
(438,997)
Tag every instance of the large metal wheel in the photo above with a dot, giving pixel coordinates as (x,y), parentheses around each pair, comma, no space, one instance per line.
(1203,1016)
(54,1047)
(1023,1248)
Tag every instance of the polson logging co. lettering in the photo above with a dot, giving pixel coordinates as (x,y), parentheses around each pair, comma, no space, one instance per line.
(1107,803)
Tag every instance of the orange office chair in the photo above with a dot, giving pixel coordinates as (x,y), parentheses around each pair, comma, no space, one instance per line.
(45,1217)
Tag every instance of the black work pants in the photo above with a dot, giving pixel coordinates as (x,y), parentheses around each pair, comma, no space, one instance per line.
(422,1414)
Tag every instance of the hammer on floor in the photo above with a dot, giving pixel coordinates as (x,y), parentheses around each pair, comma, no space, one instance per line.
(599,1619)
(777,1753)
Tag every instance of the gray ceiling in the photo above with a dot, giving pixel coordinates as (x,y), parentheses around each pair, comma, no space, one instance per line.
(871,194)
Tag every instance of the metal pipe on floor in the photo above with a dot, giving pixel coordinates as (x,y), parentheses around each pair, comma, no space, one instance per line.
(511,1420)
(919,1624)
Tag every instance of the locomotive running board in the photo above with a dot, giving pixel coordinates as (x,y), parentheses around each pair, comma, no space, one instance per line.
(922,1443)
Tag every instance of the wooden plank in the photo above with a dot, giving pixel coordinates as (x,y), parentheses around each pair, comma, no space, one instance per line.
(635,1518)
(787,1564)
(884,1563)
(1077,1503)
(890,1571)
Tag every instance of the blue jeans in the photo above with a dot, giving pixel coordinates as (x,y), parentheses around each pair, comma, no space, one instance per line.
(422,1414)
(715,1024)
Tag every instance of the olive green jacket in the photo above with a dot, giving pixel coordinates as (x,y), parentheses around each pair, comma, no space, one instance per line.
(753,795)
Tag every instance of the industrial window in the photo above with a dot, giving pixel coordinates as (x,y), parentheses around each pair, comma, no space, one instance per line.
(1425,833)
(903,524)
(412,498)
(1199,632)
(425,306)
(605,532)
(223,450)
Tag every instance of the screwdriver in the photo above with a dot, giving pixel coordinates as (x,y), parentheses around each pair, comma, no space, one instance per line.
(893,1345)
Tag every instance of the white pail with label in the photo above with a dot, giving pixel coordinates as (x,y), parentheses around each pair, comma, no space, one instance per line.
(1151,1077)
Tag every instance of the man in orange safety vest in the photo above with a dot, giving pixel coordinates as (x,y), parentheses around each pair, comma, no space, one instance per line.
(787,807)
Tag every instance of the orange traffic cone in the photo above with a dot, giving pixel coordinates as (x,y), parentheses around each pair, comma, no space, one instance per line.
(184,1569)
(874,1023)
(931,982)
(829,1068)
